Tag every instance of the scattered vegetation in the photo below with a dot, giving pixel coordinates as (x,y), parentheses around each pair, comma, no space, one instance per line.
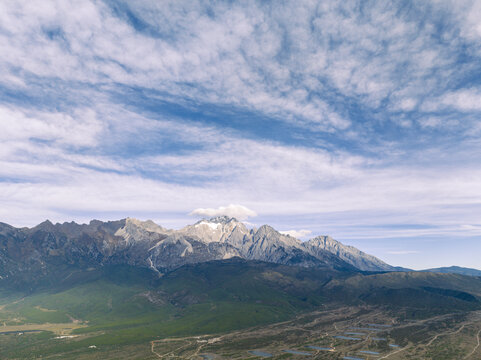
(106,312)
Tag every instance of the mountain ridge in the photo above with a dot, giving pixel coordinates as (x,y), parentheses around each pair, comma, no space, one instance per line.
(146,244)
(454,270)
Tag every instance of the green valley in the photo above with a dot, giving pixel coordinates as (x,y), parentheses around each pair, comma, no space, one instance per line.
(108,311)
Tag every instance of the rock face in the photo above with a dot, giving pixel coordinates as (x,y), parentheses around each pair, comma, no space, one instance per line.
(144,243)
(349,254)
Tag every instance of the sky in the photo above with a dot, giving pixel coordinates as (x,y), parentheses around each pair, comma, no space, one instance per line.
(357,119)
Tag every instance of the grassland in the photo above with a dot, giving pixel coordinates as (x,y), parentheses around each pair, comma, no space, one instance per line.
(228,308)
(447,336)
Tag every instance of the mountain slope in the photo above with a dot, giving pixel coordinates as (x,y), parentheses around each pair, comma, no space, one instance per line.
(349,254)
(455,270)
(120,304)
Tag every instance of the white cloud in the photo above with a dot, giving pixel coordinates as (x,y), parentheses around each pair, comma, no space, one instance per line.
(300,234)
(273,60)
(405,104)
(236,211)
(79,129)
(281,180)
(465,100)
(203,51)
(431,122)
(466,14)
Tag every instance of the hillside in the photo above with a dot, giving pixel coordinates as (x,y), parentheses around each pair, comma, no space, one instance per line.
(121,305)
(455,270)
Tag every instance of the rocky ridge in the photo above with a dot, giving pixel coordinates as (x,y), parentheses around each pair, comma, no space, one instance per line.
(144,243)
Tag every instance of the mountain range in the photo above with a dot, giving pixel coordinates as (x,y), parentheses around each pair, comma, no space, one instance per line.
(146,244)
(127,283)
(44,248)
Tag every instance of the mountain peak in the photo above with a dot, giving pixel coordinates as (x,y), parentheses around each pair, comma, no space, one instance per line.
(135,230)
(267,229)
(134,221)
(217,220)
(216,229)
(45,225)
(220,220)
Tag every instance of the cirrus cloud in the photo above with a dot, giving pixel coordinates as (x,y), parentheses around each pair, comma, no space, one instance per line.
(402,252)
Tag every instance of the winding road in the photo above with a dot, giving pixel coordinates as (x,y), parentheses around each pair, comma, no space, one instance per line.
(475,348)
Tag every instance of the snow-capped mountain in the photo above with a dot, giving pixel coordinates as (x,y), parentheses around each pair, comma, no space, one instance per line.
(144,243)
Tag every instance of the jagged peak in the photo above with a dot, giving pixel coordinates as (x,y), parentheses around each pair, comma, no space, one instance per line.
(267,229)
(45,225)
(70,223)
(215,229)
(135,230)
(219,220)
(147,225)
(268,232)
(134,221)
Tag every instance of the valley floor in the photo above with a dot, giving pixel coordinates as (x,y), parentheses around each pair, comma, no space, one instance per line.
(334,333)
(344,333)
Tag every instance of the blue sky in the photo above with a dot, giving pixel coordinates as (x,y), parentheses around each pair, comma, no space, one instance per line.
(358,119)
